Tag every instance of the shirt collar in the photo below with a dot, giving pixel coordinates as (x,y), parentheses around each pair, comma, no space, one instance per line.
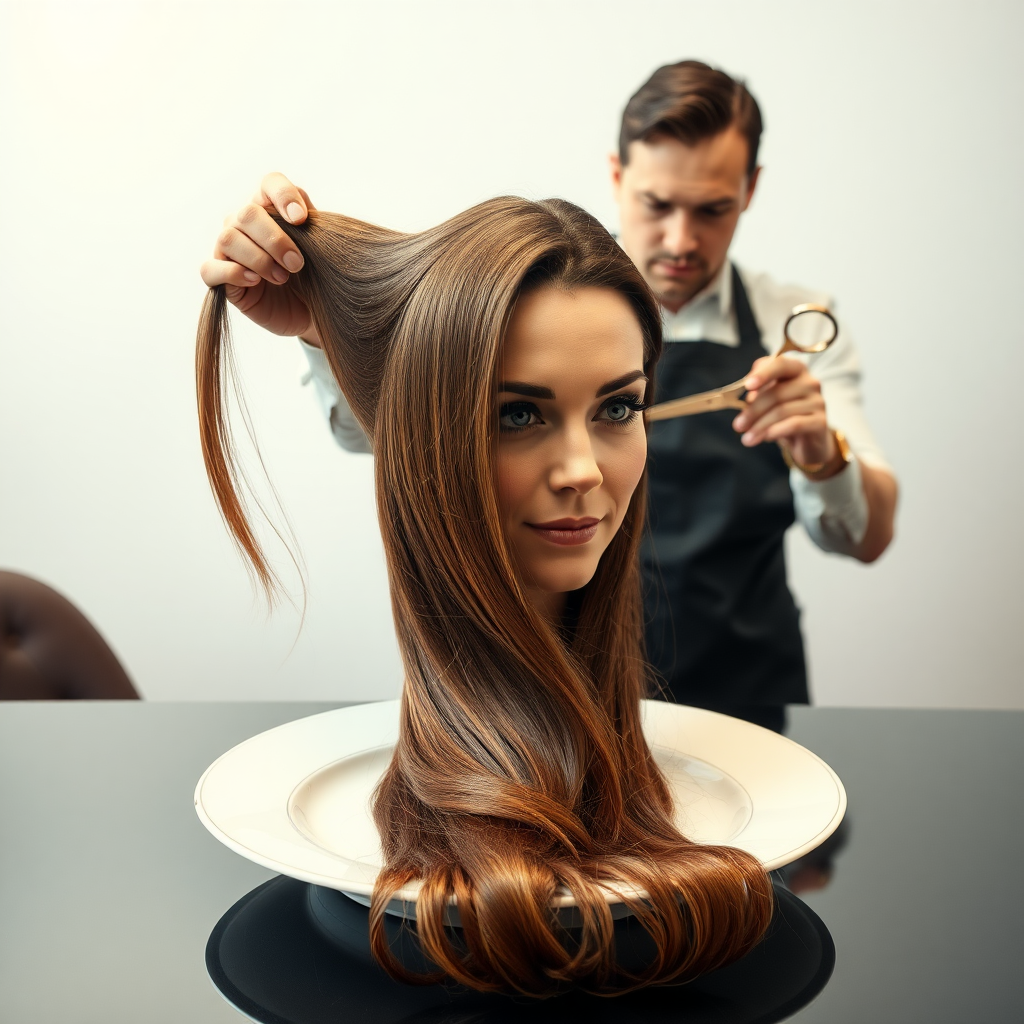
(708,316)
(717,291)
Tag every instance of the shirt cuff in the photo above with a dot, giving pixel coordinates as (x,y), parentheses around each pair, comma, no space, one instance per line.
(318,367)
(834,511)
(344,425)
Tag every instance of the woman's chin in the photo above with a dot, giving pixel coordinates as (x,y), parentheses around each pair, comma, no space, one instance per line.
(565,581)
(549,577)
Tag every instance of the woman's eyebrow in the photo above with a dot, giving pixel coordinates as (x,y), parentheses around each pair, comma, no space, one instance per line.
(517,387)
(621,382)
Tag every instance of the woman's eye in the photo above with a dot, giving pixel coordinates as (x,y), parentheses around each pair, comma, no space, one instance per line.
(518,416)
(622,409)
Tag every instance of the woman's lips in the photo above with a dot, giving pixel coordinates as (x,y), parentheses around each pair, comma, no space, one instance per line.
(567,532)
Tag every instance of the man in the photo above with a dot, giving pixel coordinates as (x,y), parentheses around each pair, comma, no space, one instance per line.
(723,628)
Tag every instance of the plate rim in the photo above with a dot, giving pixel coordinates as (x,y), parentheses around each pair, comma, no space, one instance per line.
(660,709)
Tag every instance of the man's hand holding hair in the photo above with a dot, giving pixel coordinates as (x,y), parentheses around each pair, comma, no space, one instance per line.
(254,259)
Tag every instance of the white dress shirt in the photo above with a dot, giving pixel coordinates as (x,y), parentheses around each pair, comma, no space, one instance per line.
(834,512)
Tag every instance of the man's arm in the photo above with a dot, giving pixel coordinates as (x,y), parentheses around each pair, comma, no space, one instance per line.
(851,513)
(881,492)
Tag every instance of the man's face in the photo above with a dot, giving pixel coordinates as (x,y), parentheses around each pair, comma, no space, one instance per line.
(678,209)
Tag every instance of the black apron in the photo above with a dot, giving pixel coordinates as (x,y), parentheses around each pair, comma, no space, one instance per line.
(723,630)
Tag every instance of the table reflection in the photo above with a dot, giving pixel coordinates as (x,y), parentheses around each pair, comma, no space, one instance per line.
(293,952)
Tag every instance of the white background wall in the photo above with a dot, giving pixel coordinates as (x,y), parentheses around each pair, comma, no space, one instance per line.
(893,161)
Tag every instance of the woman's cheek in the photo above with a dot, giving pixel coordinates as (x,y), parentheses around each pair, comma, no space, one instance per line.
(510,482)
(629,466)
(503,476)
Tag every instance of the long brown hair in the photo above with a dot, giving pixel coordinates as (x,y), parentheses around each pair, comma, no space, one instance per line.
(521,768)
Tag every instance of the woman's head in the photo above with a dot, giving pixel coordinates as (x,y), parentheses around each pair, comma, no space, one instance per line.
(498,363)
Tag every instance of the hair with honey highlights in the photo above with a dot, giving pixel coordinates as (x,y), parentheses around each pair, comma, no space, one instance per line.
(521,769)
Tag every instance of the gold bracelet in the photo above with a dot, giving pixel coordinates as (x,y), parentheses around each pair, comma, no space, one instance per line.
(813,469)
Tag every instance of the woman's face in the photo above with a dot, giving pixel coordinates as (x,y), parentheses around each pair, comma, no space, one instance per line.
(572,444)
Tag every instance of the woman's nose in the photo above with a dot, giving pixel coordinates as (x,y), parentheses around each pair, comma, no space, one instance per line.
(576,466)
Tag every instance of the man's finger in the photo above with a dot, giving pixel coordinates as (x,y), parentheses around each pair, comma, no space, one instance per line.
(215,272)
(797,426)
(238,247)
(256,224)
(770,368)
(278,193)
(802,388)
(770,427)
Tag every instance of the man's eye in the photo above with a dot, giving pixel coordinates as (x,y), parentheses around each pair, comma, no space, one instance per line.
(518,416)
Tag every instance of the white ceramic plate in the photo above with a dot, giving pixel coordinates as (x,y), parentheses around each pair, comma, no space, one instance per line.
(296,799)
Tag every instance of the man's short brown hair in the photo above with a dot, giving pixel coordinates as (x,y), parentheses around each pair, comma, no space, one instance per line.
(690,101)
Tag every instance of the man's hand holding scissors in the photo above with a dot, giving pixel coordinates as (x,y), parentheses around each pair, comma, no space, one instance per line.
(784,403)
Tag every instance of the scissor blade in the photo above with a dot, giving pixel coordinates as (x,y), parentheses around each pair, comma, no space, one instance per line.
(707,401)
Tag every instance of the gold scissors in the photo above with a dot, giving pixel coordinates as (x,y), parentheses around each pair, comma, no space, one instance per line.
(731,396)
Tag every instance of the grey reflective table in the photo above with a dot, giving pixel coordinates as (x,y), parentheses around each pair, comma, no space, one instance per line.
(109,885)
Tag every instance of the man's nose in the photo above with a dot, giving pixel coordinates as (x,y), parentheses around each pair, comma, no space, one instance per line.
(680,237)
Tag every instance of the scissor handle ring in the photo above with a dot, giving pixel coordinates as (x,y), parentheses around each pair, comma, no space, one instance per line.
(789,345)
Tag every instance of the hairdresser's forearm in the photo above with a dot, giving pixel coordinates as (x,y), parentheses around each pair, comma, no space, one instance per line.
(310,337)
(851,513)
(881,491)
